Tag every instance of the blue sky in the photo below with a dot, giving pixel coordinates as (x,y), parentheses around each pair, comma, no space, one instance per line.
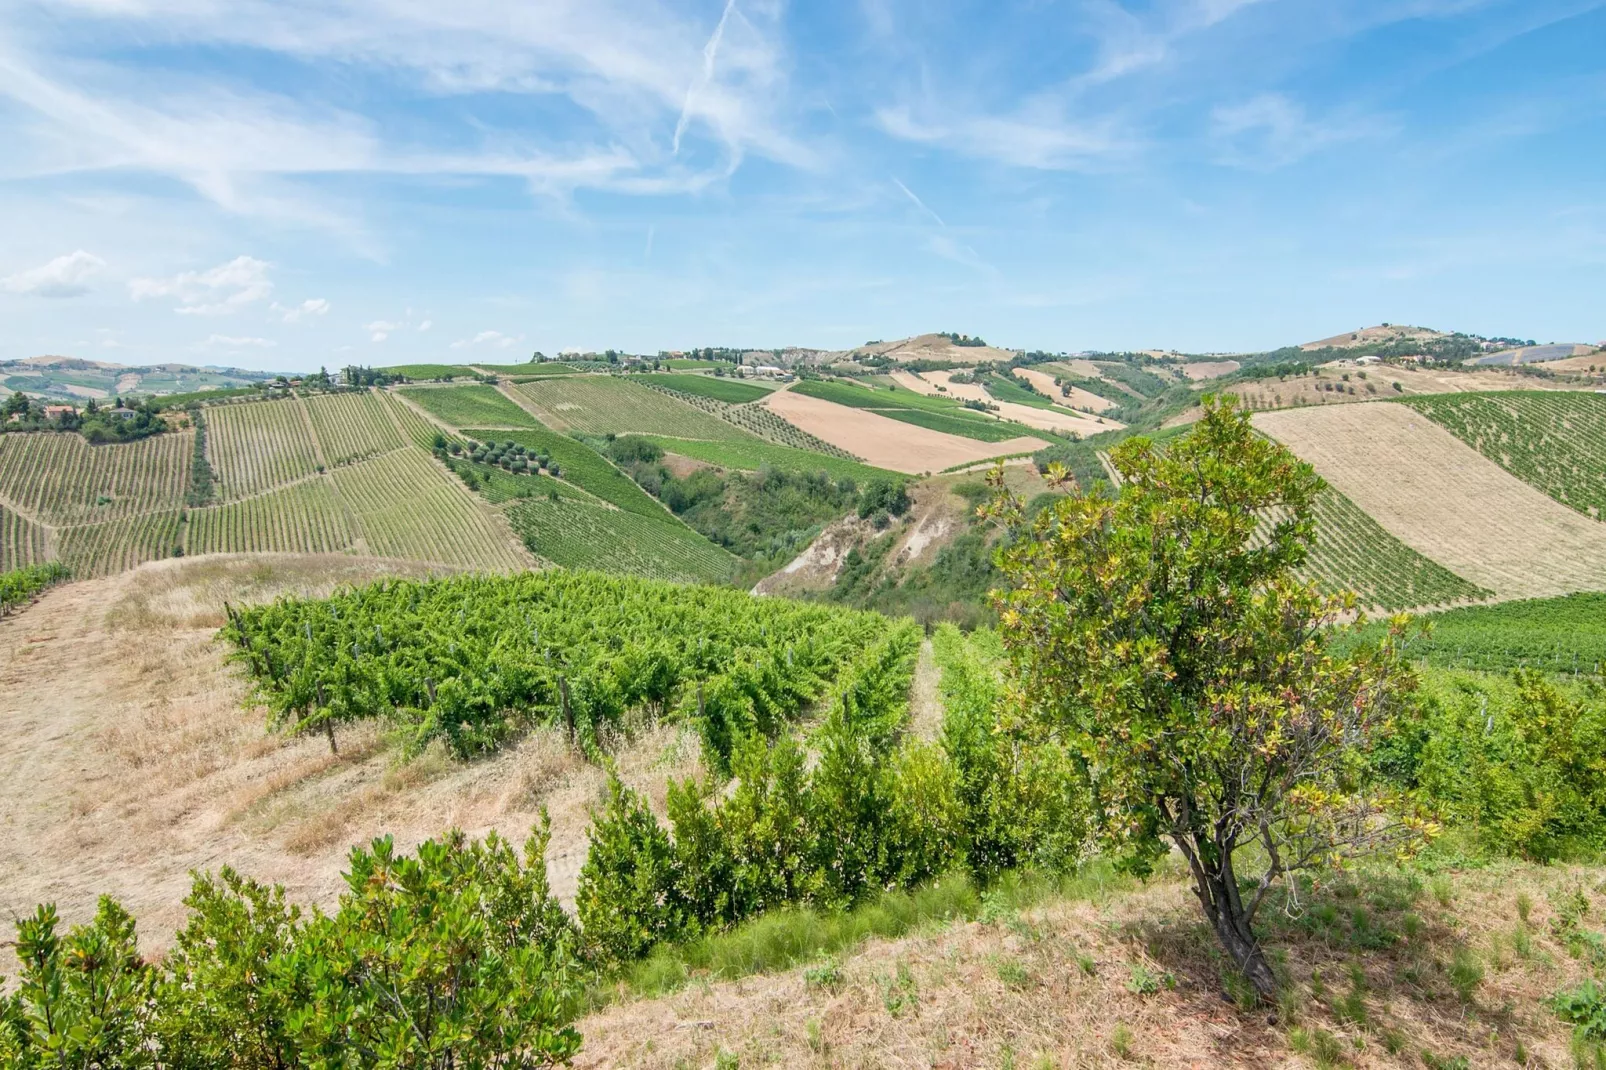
(288,183)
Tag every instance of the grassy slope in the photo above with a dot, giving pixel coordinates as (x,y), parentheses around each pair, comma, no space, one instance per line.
(731,391)
(469,406)
(751,455)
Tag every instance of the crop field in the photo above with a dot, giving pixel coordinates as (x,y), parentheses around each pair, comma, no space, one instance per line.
(1445,500)
(351,427)
(432,371)
(761,422)
(604,404)
(887,443)
(582,466)
(407,507)
(22,542)
(1354,553)
(255,447)
(730,391)
(61,479)
(469,406)
(912,407)
(301,518)
(577,535)
(100,549)
(751,454)
(415,427)
(1553,440)
(1566,635)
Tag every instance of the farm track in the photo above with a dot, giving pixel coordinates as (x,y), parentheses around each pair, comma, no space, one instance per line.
(1446,501)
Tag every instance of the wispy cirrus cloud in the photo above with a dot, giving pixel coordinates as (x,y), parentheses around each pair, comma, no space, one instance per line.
(65,276)
(1271,130)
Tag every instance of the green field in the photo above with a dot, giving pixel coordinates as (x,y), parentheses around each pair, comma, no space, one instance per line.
(936,414)
(469,406)
(1566,635)
(432,371)
(1354,553)
(255,447)
(683,364)
(582,466)
(605,404)
(752,454)
(577,535)
(730,391)
(1553,440)
(352,427)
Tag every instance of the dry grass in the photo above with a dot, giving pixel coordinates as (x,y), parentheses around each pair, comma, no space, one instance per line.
(888,443)
(941,384)
(129,755)
(1445,500)
(1372,968)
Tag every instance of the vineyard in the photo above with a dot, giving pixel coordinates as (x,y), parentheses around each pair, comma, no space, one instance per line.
(61,479)
(580,535)
(469,406)
(100,549)
(1354,553)
(414,426)
(19,585)
(1554,440)
(22,542)
(301,518)
(475,659)
(750,455)
(407,507)
(352,427)
(255,447)
(600,405)
(1563,635)
(730,391)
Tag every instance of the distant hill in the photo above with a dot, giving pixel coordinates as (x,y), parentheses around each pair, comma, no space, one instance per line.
(934,347)
(1381,335)
(60,378)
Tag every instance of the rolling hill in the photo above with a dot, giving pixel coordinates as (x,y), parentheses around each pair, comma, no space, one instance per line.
(56,378)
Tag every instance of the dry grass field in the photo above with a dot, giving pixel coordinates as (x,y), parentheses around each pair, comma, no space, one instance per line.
(1445,500)
(128,756)
(941,384)
(1076,399)
(1376,382)
(936,347)
(887,443)
(1198,370)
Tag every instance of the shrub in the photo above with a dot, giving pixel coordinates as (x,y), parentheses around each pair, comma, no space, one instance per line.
(625,899)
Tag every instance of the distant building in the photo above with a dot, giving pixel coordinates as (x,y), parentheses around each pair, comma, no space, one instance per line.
(1368,359)
(56,412)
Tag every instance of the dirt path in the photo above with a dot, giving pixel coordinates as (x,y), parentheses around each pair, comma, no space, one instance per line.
(925,702)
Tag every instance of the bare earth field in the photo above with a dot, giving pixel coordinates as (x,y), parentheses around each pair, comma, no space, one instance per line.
(1198,370)
(887,443)
(1445,500)
(1076,399)
(128,756)
(941,384)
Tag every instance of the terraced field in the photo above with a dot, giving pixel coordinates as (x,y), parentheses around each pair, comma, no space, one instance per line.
(577,535)
(301,518)
(256,447)
(1354,553)
(61,479)
(1553,440)
(604,404)
(22,542)
(405,506)
(1445,500)
(469,406)
(91,550)
(351,427)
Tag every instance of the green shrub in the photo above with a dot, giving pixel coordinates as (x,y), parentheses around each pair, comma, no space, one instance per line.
(625,901)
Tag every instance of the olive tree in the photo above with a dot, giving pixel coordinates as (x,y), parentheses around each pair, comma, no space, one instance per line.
(1163,634)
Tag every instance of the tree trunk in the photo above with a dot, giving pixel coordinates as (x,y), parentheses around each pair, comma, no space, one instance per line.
(1216,885)
(1240,944)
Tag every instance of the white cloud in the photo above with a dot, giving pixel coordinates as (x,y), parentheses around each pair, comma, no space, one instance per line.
(65,276)
(232,342)
(379,330)
(217,291)
(312,306)
(426,325)
(1039,136)
(495,339)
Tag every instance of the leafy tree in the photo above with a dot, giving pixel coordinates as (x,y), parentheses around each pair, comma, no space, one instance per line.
(83,1001)
(1163,634)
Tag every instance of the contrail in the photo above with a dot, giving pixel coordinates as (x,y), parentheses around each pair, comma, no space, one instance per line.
(710,53)
(920,204)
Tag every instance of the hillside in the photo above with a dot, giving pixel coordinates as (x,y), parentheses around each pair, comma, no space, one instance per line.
(76,379)
(932,347)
